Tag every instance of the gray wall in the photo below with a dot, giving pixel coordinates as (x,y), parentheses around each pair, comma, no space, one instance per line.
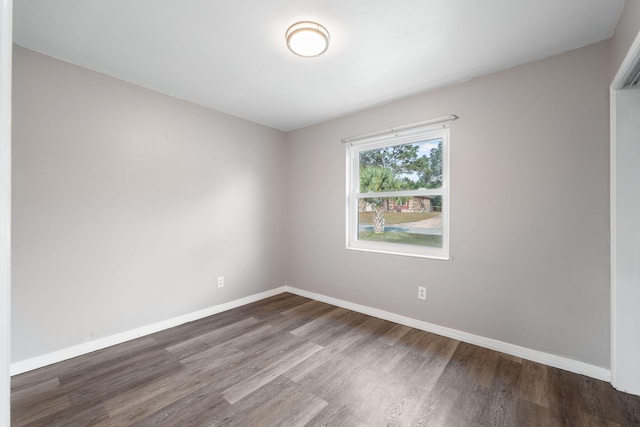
(529,210)
(625,33)
(127,204)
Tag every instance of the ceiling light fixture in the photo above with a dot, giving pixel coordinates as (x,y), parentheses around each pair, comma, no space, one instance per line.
(307,39)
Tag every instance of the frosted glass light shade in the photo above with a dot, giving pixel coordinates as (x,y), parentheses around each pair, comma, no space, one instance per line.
(307,39)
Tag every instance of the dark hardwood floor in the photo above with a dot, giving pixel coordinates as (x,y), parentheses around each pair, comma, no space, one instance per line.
(291,361)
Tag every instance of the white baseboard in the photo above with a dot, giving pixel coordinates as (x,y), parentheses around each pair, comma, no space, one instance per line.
(100,343)
(512,349)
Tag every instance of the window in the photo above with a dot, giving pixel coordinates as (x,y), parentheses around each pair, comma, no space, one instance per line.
(398,192)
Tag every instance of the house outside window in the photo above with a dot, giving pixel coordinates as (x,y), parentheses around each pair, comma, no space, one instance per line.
(398,193)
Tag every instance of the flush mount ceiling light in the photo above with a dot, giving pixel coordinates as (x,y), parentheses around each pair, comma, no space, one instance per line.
(307,39)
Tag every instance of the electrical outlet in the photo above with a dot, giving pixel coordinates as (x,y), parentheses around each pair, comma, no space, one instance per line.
(221,281)
(422,292)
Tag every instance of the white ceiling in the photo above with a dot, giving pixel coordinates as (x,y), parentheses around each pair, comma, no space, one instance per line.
(231,55)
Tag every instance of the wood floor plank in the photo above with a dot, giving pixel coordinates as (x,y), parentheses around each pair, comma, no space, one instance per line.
(534,386)
(229,374)
(325,378)
(144,400)
(470,366)
(352,388)
(244,388)
(279,303)
(391,403)
(33,378)
(255,338)
(317,364)
(319,322)
(469,407)
(394,334)
(218,335)
(438,354)
(29,403)
(565,402)
(292,407)
(502,402)
(630,407)
(72,416)
(336,416)
(587,419)
(288,360)
(186,411)
(338,338)
(105,360)
(310,309)
(408,366)
(370,332)
(600,401)
(111,383)
(340,331)
(187,330)
(35,390)
(238,413)
(108,365)
(436,408)
(284,323)
(49,408)
(212,357)
(80,366)
(531,414)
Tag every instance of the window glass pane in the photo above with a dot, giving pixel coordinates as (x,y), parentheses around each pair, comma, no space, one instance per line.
(408,171)
(402,167)
(412,220)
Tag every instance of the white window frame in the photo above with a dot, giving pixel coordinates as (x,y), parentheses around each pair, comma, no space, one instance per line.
(412,135)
